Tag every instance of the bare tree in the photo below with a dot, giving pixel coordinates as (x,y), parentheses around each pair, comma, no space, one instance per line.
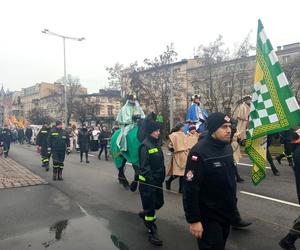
(120,76)
(37,116)
(221,74)
(85,110)
(115,74)
(209,57)
(151,82)
(73,91)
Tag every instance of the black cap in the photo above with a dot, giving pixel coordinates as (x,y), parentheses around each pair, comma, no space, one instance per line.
(58,123)
(179,125)
(216,120)
(151,127)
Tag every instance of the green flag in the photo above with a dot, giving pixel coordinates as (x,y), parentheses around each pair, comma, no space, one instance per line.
(274,107)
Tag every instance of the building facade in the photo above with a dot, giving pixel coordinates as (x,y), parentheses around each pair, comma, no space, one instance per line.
(221,84)
(102,107)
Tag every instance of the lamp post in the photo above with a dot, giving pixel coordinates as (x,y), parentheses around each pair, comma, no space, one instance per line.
(48,32)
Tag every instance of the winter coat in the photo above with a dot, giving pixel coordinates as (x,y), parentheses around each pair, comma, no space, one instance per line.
(84,138)
(180,150)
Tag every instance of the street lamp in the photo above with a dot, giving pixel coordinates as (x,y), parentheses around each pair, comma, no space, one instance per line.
(48,32)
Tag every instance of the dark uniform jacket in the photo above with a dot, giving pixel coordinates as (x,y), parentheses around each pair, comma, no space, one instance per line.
(5,136)
(151,157)
(42,137)
(209,185)
(58,140)
(296,157)
(84,138)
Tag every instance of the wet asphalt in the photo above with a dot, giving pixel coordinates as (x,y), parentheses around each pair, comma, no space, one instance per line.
(90,210)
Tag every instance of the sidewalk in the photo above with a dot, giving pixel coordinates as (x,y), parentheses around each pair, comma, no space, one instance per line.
(14,175)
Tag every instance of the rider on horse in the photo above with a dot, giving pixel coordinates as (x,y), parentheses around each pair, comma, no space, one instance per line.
(197,114)
(126,118)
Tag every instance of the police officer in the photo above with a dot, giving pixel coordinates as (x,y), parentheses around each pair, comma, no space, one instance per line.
(288,242)
(151,178)
(5,138)
(42,144)
(58,145)
(287,147)
(209,185)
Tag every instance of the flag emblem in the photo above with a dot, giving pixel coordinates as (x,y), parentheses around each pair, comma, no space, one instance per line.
(189,175)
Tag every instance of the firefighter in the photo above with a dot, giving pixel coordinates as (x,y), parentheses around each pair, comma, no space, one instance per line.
(58,145)
(41,142)
(5,139)
(151,177)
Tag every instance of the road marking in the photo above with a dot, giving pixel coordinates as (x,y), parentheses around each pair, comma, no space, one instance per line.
(245,164)
(249,165)
(90,155)
(271,199)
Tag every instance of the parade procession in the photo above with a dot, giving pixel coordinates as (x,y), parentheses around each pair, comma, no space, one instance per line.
(198,153)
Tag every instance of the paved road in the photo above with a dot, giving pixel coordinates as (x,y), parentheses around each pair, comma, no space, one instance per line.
(100,214)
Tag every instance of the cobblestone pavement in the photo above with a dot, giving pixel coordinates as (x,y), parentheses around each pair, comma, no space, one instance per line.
(14,175)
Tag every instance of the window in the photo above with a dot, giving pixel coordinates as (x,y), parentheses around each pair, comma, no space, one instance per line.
(286,59)
(228,68)
(110,110)
(227,89)
(242,66)
(196,90)
(104,99)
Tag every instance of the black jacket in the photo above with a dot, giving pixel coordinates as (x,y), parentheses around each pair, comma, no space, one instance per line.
(28,132)
(42,137)
(104,137)
(21,133)
(84,138)
(151,157)
(58,140)
(296,158)
(5,135)
(209,185)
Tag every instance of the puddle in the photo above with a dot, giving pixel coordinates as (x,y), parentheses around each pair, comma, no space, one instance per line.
(82,233)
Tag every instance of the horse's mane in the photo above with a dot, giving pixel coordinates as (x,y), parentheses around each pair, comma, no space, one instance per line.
(142,123)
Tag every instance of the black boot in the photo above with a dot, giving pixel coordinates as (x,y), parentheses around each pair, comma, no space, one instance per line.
(123,181)
(287,242)
(169,181)
(237,175)
(87,158)
(290,160)
(54,177)
(81,156)
(134,185)
(153,235)
(238,222)
(279,158)
(239,179)
(60,178)
(180,184)
(275,171)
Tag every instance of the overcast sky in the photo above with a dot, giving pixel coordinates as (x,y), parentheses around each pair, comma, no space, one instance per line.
(124,31)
